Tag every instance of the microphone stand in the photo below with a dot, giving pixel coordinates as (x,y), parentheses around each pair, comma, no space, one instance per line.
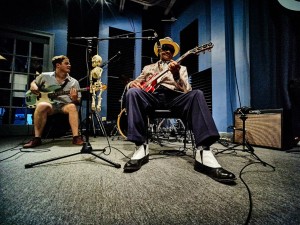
(86,148)
(246,145)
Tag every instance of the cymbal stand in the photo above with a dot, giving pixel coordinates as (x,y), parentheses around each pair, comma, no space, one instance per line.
(114,132)
(245,144)
(87,148)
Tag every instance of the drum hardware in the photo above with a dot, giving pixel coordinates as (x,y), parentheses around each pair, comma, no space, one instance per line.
(122,119)
(159,130)
(114,132)
(122,124)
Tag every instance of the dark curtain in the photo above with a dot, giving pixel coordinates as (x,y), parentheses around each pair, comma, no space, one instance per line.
(275,57)
(83,23)
(119,73)
(230,57)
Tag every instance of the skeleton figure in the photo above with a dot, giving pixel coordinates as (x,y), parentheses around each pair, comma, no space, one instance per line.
(95,82)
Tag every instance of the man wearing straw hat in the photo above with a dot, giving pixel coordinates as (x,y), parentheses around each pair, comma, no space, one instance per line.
(172,91)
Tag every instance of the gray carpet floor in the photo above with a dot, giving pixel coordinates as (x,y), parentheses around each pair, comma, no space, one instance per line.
(84,189)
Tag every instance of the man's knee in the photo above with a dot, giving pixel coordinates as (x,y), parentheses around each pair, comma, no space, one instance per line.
(43,108)
(197,92)
(69,108)
(133,91)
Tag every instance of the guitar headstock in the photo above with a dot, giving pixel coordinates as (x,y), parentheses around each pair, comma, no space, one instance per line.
(205,47)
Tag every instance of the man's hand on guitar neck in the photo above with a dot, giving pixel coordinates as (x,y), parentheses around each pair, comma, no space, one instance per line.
(174,68)
(74,95)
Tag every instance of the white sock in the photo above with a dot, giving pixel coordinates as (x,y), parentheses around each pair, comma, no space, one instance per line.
(141,151)
(208,158)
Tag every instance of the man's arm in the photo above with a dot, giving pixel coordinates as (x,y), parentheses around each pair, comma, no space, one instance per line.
(141,78)
(182,83)
(34,88)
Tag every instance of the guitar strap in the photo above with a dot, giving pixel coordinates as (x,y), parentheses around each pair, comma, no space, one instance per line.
(64,84)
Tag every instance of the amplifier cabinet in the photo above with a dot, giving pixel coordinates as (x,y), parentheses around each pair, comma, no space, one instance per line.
(264,128)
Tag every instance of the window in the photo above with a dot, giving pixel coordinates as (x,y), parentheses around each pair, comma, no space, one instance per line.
(24,54)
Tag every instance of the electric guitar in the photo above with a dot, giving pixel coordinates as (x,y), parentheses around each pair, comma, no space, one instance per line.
(32,99)
(151,84)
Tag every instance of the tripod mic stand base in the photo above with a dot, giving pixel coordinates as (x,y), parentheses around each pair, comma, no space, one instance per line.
(87,148)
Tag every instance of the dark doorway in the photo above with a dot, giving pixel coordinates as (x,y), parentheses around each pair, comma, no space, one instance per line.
(188,41)
(120,72)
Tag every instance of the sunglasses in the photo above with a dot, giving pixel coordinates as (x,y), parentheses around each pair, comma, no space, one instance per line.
(168,48)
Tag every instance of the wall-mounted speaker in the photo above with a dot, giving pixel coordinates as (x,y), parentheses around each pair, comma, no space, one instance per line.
(263,128)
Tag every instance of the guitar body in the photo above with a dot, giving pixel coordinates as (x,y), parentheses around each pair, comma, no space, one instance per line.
(32,99)
(149,87)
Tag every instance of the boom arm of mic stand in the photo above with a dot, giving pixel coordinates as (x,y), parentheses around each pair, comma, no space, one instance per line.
(108,61)
(111,38)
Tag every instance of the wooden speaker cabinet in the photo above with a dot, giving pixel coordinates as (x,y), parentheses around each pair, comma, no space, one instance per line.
(264,128)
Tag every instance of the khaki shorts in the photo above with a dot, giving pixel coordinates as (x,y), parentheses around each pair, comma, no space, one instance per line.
(57,107)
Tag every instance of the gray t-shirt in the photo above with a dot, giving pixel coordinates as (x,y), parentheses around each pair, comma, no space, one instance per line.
(47,82)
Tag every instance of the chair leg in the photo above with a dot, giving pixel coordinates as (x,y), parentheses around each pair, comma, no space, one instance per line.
(185,134)
(147,131)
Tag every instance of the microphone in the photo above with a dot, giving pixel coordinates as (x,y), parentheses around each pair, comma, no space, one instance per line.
(157,41)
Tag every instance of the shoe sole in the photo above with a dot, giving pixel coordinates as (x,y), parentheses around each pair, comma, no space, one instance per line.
(133,169)
(201,169)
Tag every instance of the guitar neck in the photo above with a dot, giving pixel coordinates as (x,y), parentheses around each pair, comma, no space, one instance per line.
(58,93)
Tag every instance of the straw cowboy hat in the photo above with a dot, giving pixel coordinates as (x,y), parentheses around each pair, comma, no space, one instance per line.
(167,41)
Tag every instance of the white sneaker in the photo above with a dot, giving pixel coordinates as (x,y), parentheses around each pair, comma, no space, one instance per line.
(141,151)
